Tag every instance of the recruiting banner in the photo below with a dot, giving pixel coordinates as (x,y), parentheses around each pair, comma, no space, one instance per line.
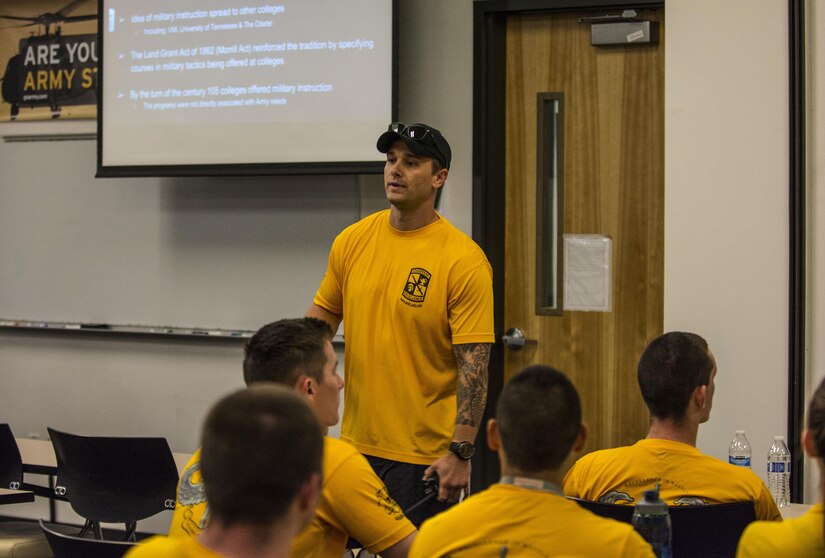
(50,51)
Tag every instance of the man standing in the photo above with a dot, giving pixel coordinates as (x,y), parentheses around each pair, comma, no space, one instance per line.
(676,375)
(415,295)
(537,428)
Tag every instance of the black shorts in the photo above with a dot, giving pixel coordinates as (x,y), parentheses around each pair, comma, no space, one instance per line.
(405,485)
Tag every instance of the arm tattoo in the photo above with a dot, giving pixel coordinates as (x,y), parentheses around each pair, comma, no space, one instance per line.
(472,360)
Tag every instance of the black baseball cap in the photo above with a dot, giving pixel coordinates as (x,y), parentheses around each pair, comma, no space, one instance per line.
(423,140)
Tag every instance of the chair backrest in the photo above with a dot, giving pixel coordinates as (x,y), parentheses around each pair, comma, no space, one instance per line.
(115,479)
(67,546)
(613,511)
(709,531)
(11,464)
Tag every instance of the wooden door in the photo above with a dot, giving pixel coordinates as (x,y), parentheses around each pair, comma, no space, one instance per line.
(613,185)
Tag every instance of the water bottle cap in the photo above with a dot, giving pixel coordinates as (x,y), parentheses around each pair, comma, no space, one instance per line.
(651,495)
(651,504)
(779,438)
(740,432)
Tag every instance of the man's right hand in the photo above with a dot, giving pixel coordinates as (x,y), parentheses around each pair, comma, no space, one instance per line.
(453,477)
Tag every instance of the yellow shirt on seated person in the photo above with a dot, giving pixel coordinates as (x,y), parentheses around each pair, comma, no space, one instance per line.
(191,513)
(686,475)
(802,536)
(171,547)
(354,502)
(529,523)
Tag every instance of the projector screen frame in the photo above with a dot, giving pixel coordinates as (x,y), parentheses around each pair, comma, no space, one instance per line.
(237,169)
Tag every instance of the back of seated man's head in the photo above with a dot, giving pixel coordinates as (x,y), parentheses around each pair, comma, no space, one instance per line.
(670,369)
(539,416)
(282,351)
(260,447)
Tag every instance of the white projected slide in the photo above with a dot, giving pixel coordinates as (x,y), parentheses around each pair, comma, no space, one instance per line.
(223,82)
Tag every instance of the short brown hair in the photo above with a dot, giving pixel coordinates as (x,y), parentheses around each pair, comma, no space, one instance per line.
(539,416)
(670,368)
(282,351)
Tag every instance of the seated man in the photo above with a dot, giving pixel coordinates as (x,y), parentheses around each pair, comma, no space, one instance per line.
(536,429)
(256,509)
(354,502)
(676,375)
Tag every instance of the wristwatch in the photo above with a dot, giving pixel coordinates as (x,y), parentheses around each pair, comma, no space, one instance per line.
(463,450)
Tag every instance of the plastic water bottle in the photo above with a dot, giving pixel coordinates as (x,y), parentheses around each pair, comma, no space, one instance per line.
(652,520)
(779,472)
(739,451)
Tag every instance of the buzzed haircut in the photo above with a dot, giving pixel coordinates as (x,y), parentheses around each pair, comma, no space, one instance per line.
(670,368)
(283,351)
(539,416)
(260,445)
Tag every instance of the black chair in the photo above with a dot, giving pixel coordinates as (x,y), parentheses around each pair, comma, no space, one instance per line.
(17,537)
(11,464)
(11,467)
(698,531)
(613,511)
(711,531)
(114,479)
(69,546)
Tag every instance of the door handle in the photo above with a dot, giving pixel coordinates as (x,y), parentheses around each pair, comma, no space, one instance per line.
(515,339)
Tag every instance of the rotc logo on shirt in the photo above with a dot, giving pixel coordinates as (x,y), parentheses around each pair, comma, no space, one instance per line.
(386,503)
(416,288)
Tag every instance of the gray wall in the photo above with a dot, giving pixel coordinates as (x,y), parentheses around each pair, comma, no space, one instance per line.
(726,207)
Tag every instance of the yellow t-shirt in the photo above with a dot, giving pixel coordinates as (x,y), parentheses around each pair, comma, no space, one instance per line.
(686,475)
(406,298)
(171,547)
(529,523)
(354,502)
(191,510)
(802,536)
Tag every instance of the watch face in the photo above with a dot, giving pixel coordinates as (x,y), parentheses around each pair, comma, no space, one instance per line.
(464,450)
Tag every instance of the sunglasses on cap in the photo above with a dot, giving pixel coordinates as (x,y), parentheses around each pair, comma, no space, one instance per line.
(430,141)
(417,132)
